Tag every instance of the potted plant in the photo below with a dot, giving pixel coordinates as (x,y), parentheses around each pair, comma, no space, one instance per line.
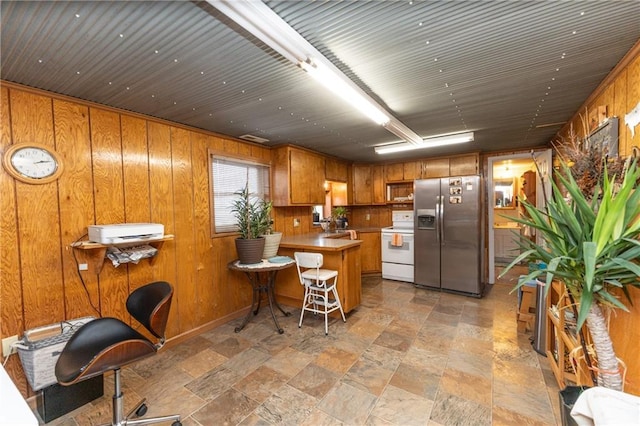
(271,237)
(590,244)
(339,215)
(250,218)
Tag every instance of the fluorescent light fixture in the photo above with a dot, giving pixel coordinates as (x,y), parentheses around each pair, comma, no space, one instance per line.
(403,132)
(258,19)
(336,84)
(431,142)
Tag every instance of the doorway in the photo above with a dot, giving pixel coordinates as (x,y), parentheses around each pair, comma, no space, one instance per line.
(510,177)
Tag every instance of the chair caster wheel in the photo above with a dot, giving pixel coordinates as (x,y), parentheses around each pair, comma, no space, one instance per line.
(176,423)
(141,411)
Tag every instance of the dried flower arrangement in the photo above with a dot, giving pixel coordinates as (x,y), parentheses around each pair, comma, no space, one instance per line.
(587,161)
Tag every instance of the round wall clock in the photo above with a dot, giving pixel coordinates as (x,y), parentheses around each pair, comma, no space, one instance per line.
(32,163)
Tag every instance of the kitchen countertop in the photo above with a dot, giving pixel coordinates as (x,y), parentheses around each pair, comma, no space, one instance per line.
(320,241)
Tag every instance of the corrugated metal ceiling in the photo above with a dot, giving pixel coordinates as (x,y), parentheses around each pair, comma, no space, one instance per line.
(497,68)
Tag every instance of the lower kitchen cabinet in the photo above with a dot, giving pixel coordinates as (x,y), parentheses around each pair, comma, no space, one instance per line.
(371,254)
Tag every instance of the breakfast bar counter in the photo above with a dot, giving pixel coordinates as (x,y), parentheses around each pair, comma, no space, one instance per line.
(340,254)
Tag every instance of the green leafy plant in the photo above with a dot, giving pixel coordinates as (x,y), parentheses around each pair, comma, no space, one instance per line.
(339,212)
(253,215)
(591,245)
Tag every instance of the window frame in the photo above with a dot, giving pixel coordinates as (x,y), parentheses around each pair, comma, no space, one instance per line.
(212,157)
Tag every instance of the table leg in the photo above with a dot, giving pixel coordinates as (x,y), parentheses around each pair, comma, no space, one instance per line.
(255,297)
(272,290)
(269,288)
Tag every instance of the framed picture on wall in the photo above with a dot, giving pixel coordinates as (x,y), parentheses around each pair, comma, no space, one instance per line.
(605,137)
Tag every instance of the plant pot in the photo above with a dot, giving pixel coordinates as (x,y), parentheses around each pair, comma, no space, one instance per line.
(341,223)
(271,244)
(250,250)
(568,397)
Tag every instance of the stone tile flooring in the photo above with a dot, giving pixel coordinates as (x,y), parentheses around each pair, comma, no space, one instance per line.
(406,356)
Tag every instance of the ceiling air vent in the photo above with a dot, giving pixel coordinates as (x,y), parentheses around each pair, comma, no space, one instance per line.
(253,138)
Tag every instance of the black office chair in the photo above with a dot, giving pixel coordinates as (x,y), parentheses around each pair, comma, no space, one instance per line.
(109,344)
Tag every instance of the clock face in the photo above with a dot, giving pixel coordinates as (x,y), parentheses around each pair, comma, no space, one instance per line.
(34,163)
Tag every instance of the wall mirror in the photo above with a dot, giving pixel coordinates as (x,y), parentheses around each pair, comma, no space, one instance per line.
(504,193)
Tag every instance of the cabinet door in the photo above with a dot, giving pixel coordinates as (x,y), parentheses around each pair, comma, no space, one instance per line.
(335,170)
(362,184)
(371,252)
(394,172)
(464,165)
(306,184)
(438,167)
(377,176)
(412,170)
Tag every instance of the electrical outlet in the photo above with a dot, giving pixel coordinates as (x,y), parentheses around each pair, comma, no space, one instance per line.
(367,216)
(296,223)
(6,345)
(83,267)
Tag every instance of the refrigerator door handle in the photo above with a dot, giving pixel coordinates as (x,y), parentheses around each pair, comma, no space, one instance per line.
(437,219)
(441,218)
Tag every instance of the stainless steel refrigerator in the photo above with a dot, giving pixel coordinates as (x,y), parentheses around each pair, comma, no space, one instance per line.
(448,237)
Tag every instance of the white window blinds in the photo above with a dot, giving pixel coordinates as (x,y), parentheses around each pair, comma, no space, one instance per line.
(230,176)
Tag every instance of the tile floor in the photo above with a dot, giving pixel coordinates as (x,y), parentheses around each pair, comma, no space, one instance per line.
(406,356)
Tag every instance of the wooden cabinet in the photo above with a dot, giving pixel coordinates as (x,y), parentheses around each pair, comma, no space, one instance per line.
(371,252)
(412,170)
(368,185)
(528,186)
(394,172)
(335,170)
(435,168)
(464,165)
(377,176)
(562,339)
(505,245)
(296,180)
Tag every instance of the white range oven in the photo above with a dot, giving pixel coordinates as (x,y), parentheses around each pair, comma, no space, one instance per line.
(397,247)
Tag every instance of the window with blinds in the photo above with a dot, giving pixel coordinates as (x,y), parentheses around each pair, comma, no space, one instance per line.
(230,176)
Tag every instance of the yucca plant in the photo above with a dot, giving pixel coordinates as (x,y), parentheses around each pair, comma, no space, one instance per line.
(591,245)
(251,213)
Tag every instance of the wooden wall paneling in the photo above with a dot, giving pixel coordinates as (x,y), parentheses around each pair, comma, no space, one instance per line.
(109,204)
(204,255)
(11,303)
(230,146)
(38,217)
(75,187)
(162,211)
(186,290)
(619,107)
(633,98)
(244,150)
(135,171)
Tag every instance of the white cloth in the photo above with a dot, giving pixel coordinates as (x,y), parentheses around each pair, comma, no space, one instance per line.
(600,406)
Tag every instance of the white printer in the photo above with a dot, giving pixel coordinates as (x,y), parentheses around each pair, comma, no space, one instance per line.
(119,233)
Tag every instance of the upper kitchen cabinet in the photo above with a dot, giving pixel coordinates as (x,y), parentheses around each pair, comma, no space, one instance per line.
(296,180)
(435,168)
(368,184)
(464,165)
(394,172)
(399,172)
(335,170)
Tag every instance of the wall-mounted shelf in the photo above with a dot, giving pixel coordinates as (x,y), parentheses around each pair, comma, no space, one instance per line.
(97,252)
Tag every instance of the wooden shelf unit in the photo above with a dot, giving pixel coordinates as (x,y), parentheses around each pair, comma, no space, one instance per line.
(560,341)
(97,252)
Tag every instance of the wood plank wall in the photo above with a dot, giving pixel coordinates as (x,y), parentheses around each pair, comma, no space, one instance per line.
(119,167)
(620,93)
